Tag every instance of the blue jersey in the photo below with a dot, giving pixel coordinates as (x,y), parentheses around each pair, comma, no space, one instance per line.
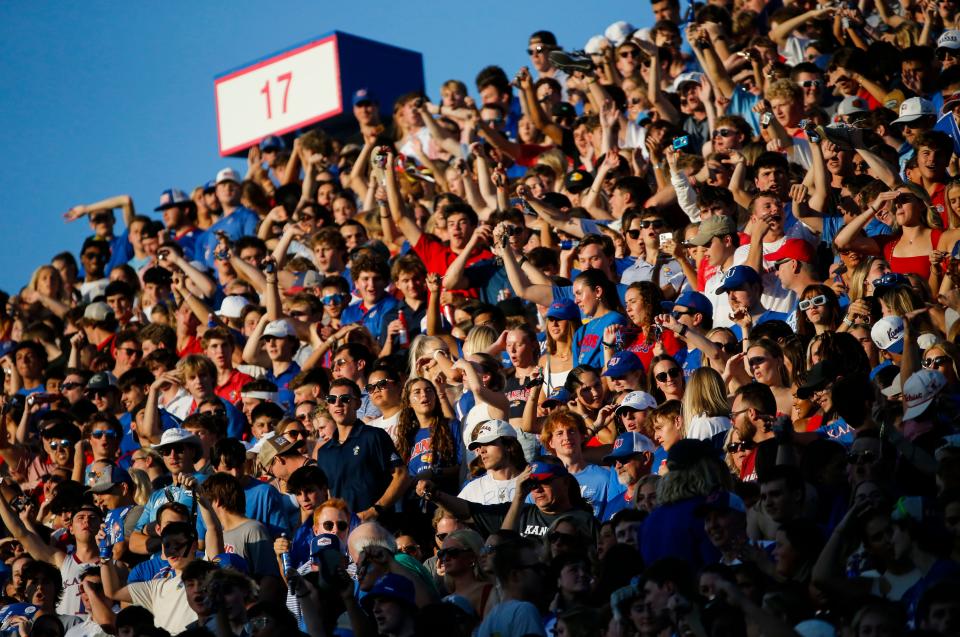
(372,318)
(692,360)
(587,340)
(170,494)
(421,454)
(597,489)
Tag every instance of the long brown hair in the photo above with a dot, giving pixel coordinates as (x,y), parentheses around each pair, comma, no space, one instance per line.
(441,438)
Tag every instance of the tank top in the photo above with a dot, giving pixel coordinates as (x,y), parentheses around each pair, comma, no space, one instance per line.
(911,265)
(70,571)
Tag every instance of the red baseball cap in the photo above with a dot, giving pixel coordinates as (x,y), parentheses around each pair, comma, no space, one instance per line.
(793,249)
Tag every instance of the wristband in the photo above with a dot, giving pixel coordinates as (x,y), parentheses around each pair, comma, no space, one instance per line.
(847,321)
(379,509)
(610,345)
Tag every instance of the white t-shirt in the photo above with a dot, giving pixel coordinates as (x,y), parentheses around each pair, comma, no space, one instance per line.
(721,304)
(488,490)
(70,571)
(84,628)
(387,424)
(93,289)
(775,297)
(167,599)
(180,405)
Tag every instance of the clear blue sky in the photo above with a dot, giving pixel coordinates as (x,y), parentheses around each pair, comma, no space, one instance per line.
(101,98)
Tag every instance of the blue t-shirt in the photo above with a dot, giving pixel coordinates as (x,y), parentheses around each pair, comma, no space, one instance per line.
(160,497)
(659,459)
(587,340)
(266,505)
(597,489)
(741,103)
(283,379)
(300,544)
(239,223)
(692,361)
(421,455)
(121,251)
(490,280)
(372,318)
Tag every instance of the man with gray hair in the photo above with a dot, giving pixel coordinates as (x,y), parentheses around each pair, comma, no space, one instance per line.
(374,550)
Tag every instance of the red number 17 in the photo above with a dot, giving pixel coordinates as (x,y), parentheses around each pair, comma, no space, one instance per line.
(286,78)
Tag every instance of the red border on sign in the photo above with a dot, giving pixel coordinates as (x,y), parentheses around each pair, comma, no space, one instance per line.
(311,45)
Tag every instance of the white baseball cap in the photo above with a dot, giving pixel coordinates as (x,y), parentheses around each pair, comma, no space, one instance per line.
(950,39)
(232,306)
(618,32)
(913,109)
(887,334)
(228,174)
(920,390)
(684,78)
(279,329)
(491,430)
(595,45)
(639,400)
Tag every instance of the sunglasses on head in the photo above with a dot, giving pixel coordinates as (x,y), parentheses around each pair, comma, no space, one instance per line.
(378,386)
(673,372)
(339,399)
(743,445)
(652,223)
(724,132)
(101,433)
(938,361)
(334,299)
(341,525)
(816,301)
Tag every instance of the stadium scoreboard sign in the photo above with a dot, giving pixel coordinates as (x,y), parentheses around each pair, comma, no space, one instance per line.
(308,84)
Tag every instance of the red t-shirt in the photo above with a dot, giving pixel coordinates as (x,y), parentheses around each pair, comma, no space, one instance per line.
(438,256)
(192,347)
(939,200)
(644,350)
(230,390)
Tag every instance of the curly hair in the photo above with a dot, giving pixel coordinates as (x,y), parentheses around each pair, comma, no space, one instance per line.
(441,438)
(650,298)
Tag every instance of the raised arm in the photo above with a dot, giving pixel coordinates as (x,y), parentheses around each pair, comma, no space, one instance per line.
(496,402)
(455,277)
(535,293)
(701,39)
(124,202)
(398,211)
(252,353)
(850,236)
(32,543)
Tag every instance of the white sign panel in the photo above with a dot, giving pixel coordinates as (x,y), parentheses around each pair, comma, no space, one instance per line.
(277,95)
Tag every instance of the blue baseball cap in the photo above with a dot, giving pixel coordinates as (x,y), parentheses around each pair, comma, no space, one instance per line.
(390,586)
(232,560)
(739,277)
(7,347)
(362,95)
(171,198)
(544,471)
(324,542)
(564,310)
(629,444)
(272,142)
(558,395)
(622,364)
(210,186)
(692,300)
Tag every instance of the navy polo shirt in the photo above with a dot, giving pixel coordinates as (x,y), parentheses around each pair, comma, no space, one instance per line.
(360,468)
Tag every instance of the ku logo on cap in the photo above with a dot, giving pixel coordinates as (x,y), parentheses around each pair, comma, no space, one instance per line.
(618,443)
(614,361)
(323,541)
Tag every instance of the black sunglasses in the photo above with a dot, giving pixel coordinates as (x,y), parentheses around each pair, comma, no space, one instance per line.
(652,223)
(378,386)
(341,399)
(733,347)
(743,445)
(673,372)
(451,553)
(341,525)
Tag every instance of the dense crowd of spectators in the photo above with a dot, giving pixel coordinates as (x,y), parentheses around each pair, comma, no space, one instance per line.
(657,337)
